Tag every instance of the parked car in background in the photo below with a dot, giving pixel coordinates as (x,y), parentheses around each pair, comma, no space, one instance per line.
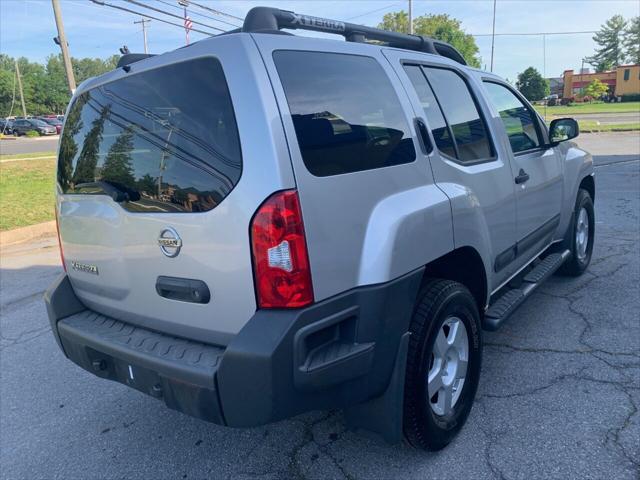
(21,127)
(53,121)
(6,126)
(60,117)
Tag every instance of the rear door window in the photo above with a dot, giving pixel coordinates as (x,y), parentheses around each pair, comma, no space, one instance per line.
(439,127)
(164,140)
(346,114)
(462,114)
(518,120)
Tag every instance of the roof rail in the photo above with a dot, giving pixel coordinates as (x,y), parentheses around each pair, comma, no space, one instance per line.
(271,20)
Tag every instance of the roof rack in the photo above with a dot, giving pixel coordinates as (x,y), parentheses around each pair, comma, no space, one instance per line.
(271,20)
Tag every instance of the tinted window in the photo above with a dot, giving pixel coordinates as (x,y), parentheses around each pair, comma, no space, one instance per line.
(461,113)
(164,139)
(518,120)
(346,114)
(428,101)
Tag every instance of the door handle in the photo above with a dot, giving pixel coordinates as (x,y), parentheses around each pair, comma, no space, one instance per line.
(522,177)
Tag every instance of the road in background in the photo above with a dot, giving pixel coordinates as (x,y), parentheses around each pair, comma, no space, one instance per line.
(559,394)
(29,145)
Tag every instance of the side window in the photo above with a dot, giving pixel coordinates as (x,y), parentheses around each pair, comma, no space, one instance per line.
(518,120)
(345,111)
(437,123)
(460,111)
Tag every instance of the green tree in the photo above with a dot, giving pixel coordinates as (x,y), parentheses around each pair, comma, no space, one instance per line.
(88,160)
(117,166)
(610,52)
(632,40)
(441,27)
(532,85)
(148,185)
(45,86)
(596,89)
(69,143)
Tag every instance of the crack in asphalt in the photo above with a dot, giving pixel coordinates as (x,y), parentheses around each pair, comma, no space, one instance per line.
(310,438)
(23,337)
(571,298)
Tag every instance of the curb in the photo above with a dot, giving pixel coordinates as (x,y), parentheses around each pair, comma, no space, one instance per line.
(26,234)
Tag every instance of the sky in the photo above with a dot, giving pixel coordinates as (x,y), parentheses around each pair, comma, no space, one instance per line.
(27,27)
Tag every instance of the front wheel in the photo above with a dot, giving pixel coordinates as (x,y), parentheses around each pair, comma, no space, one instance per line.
(582,233)
(443,364)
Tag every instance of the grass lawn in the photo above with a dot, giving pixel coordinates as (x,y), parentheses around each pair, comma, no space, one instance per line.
(591,126)
(590,108)
(19,156)
(26,193)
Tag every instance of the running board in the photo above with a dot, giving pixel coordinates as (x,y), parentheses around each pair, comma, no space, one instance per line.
(509,301)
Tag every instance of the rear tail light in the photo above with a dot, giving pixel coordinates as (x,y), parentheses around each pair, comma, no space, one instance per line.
(60,242)
(280,258)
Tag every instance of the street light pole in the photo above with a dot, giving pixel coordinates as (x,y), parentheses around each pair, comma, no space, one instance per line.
(410,17)
(64,46)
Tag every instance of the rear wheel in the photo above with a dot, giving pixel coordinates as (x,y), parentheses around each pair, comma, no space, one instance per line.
(581,236)
(443,364)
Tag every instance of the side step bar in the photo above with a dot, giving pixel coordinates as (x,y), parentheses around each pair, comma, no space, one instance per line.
(509,301)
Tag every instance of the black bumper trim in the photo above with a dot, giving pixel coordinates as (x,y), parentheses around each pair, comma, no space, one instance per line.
(178,371)
(336,353)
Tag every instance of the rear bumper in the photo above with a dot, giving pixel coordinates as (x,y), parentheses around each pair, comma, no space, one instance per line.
(333,354)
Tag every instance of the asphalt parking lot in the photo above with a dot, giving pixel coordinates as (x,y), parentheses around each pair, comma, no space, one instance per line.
(559,395)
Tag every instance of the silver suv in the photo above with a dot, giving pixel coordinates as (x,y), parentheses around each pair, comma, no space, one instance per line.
(261,224)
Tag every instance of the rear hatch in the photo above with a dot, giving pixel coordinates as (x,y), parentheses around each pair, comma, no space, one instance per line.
(148,173)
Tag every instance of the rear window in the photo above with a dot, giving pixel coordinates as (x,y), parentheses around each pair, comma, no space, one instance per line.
(345,111)
(164,140)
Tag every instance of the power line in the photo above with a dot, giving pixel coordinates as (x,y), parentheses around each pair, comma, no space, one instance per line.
(530,34)
(217,12)
(200,14)
(372,11)
(171,14)
(104,4)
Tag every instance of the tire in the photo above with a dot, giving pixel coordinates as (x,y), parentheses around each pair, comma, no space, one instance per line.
(580,256)
(442,307)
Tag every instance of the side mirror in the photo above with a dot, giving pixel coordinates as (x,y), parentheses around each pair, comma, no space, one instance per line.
(563,129)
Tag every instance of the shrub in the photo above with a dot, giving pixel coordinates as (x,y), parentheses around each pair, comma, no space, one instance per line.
(567,101)
(631,97)
(552,102)
(32,133)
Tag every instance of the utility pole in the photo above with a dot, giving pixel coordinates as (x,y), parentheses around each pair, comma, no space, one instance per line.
(410,17)
(64,46)
(493,33)
(544,68)
(144,21)
(24,109)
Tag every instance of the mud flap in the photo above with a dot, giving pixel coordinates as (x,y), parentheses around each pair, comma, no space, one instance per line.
(383,415)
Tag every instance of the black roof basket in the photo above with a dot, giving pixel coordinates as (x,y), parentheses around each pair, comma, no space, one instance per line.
(271,20)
